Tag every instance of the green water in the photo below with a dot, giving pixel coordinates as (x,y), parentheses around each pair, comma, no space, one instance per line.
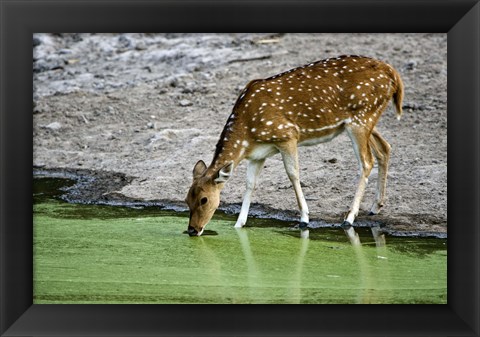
(107,254)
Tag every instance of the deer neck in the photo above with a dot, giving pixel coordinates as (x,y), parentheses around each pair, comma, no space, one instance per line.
(232,145)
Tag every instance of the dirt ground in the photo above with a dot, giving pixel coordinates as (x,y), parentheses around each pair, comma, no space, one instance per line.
(137,111)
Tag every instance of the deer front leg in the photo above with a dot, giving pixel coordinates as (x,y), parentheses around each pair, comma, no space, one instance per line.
(253,170)
(289,154)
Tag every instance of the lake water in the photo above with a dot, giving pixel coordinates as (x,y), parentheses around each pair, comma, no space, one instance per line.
(113,254)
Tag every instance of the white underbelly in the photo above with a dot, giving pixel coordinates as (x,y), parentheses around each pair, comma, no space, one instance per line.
(262,151)
(318,140)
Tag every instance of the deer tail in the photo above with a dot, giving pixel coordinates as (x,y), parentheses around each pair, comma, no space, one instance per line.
(398,95)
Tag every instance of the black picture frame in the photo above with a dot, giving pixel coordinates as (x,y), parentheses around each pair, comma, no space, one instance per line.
(20,19)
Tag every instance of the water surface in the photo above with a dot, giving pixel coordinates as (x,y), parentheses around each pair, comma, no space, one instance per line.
(112,254)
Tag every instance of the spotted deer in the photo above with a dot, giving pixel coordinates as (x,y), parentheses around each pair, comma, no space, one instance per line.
(303,106)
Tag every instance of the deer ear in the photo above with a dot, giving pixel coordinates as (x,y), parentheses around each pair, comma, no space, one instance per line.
(224,173)
(199,168)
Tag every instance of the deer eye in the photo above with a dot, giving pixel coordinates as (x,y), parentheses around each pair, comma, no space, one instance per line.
(203,201)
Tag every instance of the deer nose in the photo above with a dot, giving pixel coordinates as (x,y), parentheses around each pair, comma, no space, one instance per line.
(192,231)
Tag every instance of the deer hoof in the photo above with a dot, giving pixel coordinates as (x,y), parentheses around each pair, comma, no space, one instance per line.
(375,209)
(239,224)
(346,225)
(303,225)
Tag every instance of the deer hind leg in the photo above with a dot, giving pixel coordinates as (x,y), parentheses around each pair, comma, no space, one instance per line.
(381,151)
(360,139)
(289,154)
(253,171)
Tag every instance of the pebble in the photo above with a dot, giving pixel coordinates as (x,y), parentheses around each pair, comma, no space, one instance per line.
(185,102)
(110,136)
(64,51)
(140,46)
(411,64)
(54,126)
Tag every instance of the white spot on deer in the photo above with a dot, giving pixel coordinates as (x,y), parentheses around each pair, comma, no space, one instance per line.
(352,96)
(269,123)
(253,130)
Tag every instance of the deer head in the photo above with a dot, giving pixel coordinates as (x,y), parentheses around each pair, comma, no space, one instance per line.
(203,197)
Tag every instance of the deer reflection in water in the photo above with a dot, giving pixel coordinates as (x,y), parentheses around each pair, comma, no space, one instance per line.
(369,278)
(369,281)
